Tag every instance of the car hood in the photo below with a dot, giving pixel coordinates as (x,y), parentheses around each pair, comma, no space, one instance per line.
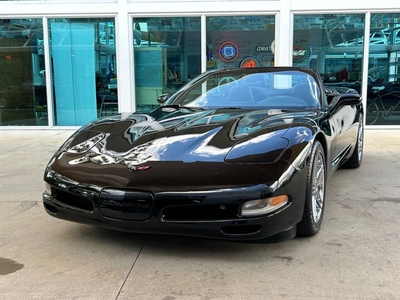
(113,147)
(171,134)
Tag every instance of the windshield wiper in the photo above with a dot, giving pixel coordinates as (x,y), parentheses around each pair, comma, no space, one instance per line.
(178,106)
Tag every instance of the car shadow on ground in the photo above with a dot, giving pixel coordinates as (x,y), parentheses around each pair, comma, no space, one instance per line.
(170,246)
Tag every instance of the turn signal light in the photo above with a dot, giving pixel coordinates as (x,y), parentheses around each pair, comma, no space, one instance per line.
(254,208)
(47,189)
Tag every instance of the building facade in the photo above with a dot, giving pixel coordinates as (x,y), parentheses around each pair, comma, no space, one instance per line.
(66,62)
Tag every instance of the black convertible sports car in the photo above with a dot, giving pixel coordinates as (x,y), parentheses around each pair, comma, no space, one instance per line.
(238,154)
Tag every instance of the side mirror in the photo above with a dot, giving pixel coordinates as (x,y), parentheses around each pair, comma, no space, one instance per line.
(348,99)
(330,95)
(333,93)
(162,98)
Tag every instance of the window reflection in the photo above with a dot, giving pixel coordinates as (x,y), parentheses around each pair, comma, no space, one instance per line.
(383,98)
(331,44)
(167,50)
(23,98)
(84,70)
(240,41)
(167,55)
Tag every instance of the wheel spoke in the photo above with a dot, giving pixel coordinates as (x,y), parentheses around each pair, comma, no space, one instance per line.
(360,143)
(320,175)
(318,186)
(319,200)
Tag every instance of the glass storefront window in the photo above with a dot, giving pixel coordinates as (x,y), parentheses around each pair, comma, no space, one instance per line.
(84,70)
(333,45)
(167,55)
(383,98)
(22,84)
(240,41)
(168,50)
(74,1)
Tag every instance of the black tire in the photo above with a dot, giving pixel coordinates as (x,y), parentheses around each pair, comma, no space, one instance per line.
(356,158)
(315,193)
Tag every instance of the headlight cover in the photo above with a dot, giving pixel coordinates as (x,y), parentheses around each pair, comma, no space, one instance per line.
(265,148)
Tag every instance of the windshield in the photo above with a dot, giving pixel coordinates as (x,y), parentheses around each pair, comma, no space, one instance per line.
(243,88)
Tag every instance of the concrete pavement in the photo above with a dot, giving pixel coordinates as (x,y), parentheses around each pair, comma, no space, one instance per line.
(356,255)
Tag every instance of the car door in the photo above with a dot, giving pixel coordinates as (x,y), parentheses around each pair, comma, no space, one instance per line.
(344,124)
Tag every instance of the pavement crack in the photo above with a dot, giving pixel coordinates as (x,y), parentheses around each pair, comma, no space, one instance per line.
(131,269)
(394,154)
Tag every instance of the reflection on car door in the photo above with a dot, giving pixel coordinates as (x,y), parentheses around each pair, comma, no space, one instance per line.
(344,127)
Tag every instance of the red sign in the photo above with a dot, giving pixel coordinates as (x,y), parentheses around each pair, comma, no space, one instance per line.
(249,62)
(299,52)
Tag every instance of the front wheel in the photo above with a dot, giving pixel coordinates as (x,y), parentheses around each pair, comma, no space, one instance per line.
(315,193)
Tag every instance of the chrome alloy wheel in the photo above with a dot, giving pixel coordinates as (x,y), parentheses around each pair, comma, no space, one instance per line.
(318,187)
(360,143)
(314,205)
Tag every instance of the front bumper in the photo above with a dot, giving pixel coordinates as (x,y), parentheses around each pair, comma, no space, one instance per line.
(214,213)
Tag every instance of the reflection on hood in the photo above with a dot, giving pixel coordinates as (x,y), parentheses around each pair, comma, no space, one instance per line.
(174,135)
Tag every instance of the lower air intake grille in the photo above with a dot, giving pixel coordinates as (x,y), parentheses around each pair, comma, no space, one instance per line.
(73,200)
(200,212)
